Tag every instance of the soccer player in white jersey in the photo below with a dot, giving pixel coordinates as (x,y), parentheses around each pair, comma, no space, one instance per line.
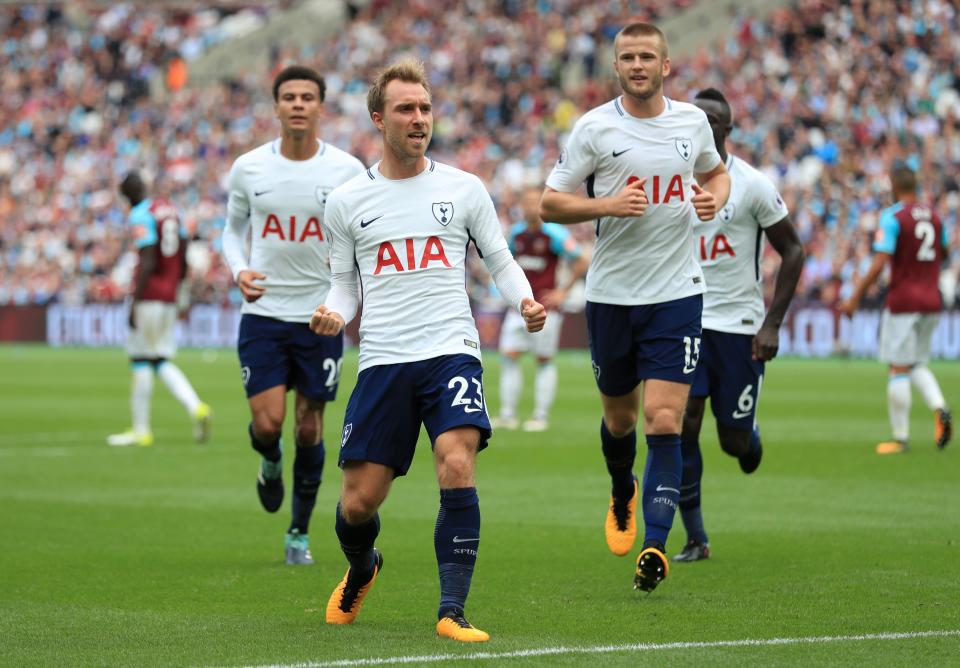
(737,338)
(650,169)
(277,196)
(404,227)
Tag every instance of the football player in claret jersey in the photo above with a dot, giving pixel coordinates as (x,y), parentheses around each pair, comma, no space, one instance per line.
(159,292)
(737,338)
(538,247)
(404,226)
(912,239)
(650,169)
(277,195)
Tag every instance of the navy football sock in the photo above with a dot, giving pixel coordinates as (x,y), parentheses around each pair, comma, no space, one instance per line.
(619,454)
(456,541)
(270,451)
(356,541)
(690,491)
(307,474)
(755,439)
(661,487)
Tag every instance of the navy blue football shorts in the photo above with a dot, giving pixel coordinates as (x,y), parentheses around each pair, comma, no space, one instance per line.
(728,374)
(391,401)
(629,344)
(273,352)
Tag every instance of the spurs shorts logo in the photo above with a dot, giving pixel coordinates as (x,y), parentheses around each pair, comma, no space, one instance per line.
(347,430)
(596,369)
(245,375)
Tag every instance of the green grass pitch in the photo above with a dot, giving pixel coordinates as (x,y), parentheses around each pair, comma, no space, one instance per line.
(162,556)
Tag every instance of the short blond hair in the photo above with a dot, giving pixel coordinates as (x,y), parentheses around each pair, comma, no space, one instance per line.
(411,71)
(642,30)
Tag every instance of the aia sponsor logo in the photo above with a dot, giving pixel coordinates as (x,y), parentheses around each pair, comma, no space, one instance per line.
(292,230)
(662,190)
(405,256)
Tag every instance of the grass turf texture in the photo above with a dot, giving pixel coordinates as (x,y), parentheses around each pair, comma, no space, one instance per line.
(162,556)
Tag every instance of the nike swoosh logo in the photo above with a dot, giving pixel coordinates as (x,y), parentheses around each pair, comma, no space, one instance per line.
(689,369)
(458,539)
(738,415)
(262,192)
(662,488)
(364,223)
(617,154)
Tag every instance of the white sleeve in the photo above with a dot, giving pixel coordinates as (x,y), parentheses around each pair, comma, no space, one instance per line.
(708,158)
(342,244)
(484,225)
(508,277)
(577,160)
(344,297)
(768,206)
(238,221)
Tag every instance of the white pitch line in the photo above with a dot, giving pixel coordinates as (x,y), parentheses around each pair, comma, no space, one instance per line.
(609,649)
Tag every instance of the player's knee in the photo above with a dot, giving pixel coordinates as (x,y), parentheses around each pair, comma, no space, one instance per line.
(308,431)
(735,443)
(621,423)
(358,506)
(455,468)
(267,428)
(692,421)
(662,421)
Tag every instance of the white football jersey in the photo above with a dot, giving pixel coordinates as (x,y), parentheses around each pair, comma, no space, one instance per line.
(730,246)
(408,239)
(650,259)
(283,201)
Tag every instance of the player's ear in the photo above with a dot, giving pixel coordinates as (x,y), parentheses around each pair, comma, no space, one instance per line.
(377,119)
(666,66)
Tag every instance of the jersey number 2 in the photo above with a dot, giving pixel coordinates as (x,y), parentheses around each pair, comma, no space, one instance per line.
(927,233)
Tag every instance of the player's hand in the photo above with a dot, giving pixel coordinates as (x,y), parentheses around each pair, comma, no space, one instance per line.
(766,344)
(326,322)
(533,314)
(704,203)
(629,202)
(250,290)
(848,307)
(132,318)
(554,299)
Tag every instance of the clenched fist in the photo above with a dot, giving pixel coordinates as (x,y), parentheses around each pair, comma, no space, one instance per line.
(326,322)
(534,314)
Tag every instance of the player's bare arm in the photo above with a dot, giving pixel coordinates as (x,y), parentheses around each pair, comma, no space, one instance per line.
(326,322)
(534,314)
(569,208)
(783,237)
(849,307)
(711,192)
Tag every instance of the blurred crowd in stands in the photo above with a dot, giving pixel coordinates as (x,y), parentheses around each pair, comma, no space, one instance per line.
(826,95)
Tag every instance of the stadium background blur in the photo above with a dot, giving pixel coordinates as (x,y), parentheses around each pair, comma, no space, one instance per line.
(826,96)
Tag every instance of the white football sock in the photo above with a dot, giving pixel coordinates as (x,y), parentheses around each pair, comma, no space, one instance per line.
(511,383)
(545,389)
(141,391)
(926,384)
(898,405)
(179,386)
